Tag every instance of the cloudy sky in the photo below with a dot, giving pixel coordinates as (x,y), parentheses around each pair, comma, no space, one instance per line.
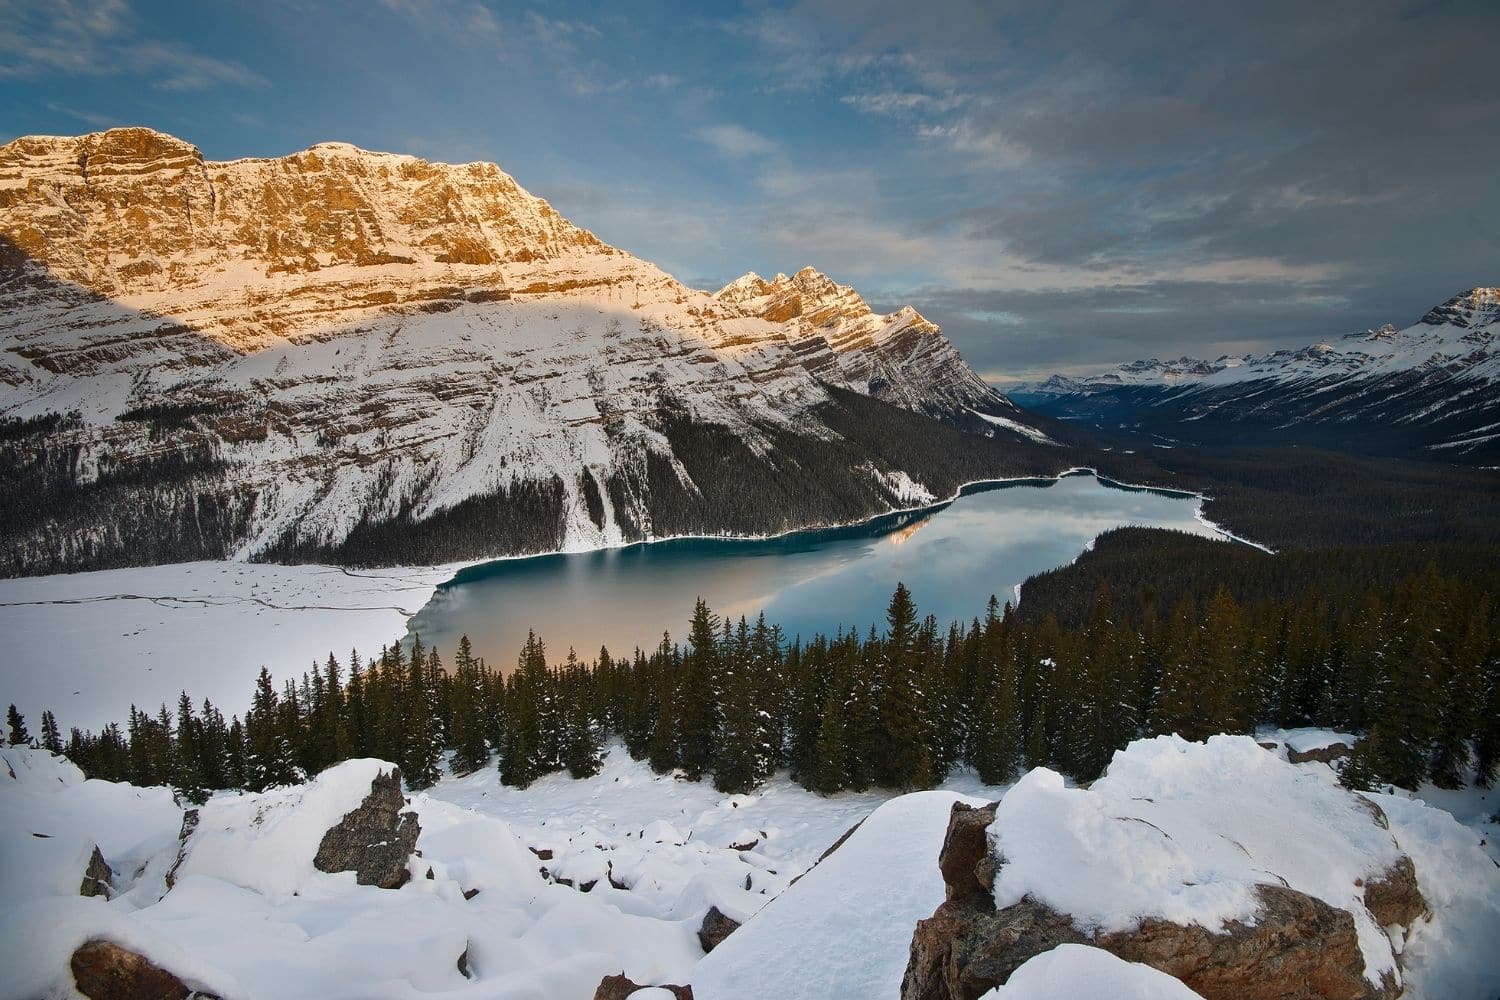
(1060,185)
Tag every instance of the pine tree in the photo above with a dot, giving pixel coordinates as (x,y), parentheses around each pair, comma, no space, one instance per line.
(51,738)
(523,753)
(18,734)
(907,758)
(741,761)
(1459,693)
(423,744)
(189,769)
(1178,702)
(582,750)
(697,694)
(1405,718)
(213,754)
(470,751)
(996,743)
(829,771)
(236,757)
(665,739)
(268,753)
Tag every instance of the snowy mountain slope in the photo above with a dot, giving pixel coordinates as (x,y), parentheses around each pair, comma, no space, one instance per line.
(1432,388)
(283,352)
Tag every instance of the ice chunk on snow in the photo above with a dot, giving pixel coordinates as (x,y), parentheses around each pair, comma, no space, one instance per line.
(1185,831)
(1070,971)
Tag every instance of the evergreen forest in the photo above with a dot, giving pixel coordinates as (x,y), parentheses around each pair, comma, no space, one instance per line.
(1413,663)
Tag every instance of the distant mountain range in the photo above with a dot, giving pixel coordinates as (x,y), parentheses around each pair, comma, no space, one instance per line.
(366,357)
(1430,389)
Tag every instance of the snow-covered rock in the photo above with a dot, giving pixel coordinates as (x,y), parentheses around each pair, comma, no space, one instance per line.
(1219,863)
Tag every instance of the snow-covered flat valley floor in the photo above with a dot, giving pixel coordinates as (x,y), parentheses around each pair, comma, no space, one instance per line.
(89,645)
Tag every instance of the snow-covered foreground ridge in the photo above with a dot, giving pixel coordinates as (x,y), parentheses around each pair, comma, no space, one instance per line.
(288,349)
(634,862)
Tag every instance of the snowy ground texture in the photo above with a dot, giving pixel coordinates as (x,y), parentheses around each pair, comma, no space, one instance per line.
(249,916)
(202,627)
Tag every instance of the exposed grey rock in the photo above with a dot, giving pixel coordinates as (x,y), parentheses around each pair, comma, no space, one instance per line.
(375,840)
(98,877)
(715,928)
(189,824)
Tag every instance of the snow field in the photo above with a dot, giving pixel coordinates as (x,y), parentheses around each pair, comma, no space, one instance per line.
(249,916)
(89,645)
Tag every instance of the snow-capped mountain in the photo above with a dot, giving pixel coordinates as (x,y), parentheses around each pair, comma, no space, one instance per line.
(1150,372)
(292,357)
(1431,388)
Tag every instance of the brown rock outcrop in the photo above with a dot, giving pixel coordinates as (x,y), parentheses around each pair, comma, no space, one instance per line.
(1328,754)
(1296,948)
(374,840)
(1394,899)
(102,970)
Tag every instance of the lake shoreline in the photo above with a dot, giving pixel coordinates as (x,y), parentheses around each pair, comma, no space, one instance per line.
(965,489)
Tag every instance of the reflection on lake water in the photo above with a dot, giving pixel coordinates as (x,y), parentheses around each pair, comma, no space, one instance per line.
(952,558)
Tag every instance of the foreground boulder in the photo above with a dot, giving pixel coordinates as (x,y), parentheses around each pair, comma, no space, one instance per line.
(620,987)
(102,970)
(715,928)
(374,840)
(1153,840)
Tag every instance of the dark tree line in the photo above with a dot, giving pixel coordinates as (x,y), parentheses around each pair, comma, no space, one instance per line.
(1414,665)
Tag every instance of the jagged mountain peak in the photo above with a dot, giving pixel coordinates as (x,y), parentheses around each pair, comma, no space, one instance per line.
(810,296)
(1476,307)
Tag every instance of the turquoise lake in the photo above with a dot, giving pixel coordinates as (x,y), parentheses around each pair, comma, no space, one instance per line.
(951,556)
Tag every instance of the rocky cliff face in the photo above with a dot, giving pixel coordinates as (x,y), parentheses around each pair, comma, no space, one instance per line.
(288,356)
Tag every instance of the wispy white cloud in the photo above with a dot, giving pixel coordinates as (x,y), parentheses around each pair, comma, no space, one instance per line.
(87,117)
(735,141)
(100,38)
(901,102)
